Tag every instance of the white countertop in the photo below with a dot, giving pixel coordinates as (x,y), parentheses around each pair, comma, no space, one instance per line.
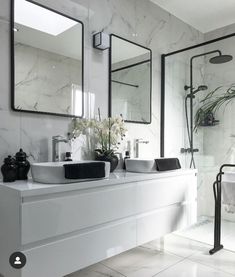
(30,188)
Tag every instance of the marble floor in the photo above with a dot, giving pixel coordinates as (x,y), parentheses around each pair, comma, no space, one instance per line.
(203,231)
(175,256)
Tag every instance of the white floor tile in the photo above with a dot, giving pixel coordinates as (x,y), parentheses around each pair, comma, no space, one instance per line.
(141,262)
(203,231)
(187,268)
(223,260)
(177,245)
(97,270)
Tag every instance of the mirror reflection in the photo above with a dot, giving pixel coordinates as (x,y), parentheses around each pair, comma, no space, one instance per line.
(48,59)
(130,82)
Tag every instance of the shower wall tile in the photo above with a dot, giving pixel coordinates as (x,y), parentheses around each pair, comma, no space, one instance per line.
(138,20)
(218,141)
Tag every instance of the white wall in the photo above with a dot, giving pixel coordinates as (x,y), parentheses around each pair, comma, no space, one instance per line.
(138,20)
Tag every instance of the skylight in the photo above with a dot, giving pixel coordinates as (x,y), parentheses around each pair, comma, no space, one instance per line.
(41,19)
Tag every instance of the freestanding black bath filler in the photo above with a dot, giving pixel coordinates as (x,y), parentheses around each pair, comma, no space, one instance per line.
(218,59)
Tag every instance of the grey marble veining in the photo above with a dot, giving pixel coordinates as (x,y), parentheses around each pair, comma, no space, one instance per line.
(140,21)
(44,80)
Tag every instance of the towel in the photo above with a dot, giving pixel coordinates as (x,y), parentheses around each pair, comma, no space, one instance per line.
(228,196)
(85,170)
(167,164)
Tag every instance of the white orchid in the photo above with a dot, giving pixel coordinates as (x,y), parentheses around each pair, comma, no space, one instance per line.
(107,133)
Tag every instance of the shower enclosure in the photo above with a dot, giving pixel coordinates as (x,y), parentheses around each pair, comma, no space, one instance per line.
(198,113)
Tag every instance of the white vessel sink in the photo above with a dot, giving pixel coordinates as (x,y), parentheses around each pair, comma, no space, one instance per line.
(53,172)
(141,165)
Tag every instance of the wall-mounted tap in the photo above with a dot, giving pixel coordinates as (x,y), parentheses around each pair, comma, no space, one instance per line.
(136,146)
(56,147)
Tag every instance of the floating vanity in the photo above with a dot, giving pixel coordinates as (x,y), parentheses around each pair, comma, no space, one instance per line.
(63,228)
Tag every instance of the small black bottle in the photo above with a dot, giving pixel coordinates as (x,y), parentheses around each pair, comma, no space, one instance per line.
(127,156)
(68,157)
(9,170)
(23,165)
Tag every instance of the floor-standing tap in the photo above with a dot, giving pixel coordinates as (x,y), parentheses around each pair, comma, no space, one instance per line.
(136,146)
(56,147)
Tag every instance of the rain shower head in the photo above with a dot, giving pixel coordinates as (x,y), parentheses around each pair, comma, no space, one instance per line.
(221,59)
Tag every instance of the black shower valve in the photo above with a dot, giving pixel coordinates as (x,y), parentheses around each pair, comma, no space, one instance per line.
(188,150)
(185,150)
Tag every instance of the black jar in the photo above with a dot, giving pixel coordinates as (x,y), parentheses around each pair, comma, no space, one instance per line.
(9,169)
(23,165)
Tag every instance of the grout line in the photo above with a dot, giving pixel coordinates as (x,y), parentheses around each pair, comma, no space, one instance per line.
(169,267)
(164,251)
(172,253)
(215,268)
(113,269)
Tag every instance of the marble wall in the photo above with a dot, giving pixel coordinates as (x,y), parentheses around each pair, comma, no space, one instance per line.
(219,141)
(137,20)
(132,101)
(46,81)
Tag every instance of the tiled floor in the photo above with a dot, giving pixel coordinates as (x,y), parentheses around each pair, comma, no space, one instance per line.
(176,257)
(203,231)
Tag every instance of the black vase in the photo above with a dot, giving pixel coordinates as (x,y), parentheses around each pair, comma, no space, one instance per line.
(23,165)
(113,159)
(9,170)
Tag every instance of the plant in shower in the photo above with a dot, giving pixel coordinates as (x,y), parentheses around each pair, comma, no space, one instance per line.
(213,101)
(106,133)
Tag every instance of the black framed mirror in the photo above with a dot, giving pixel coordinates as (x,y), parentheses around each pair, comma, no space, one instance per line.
(47,60)
(130,80)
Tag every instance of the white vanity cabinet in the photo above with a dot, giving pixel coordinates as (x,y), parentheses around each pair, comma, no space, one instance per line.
(63,228)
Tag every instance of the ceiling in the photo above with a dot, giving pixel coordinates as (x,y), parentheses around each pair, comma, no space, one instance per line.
(68,43)
(204,15)
(47,30)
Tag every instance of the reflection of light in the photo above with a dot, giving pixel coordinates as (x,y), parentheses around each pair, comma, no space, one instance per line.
(41,19)
(76,100)
(15,29)
(89,105)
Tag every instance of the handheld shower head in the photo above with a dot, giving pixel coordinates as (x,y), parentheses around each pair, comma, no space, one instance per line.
(200,88)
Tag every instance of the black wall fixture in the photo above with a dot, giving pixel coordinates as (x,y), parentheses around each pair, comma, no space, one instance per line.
(163,72)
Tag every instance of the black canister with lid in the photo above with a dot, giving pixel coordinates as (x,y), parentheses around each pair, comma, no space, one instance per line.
(9,169)
(127,156)
(23,165)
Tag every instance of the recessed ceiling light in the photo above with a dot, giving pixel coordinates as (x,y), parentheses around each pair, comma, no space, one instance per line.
(36,17)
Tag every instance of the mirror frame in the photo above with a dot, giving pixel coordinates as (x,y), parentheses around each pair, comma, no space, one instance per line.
(12,52)
(110,79)
(163,72)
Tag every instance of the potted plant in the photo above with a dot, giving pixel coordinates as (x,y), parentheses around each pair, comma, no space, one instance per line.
(205,115)
(106,134)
